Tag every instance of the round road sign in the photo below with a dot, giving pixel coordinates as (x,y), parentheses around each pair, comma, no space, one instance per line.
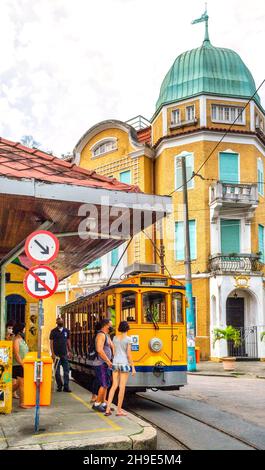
(40,282)
(42,246)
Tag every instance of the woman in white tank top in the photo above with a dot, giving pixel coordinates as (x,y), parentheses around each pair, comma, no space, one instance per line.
(121,366)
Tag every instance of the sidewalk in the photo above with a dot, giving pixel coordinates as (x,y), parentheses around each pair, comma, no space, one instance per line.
(253,369)
(70,423)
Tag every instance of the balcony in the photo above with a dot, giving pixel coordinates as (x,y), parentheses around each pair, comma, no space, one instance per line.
(180,124)
(234,263)
(233,196)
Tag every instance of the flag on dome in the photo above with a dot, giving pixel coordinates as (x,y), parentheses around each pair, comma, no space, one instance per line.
(204,17)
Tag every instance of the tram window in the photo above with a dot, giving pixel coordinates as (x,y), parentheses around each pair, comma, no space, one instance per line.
(154,307)
(128,306)
(177,309)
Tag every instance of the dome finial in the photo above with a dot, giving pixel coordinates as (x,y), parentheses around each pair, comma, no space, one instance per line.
(204,18)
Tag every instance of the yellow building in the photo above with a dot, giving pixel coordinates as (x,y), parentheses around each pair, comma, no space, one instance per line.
(209,113)
(20,306)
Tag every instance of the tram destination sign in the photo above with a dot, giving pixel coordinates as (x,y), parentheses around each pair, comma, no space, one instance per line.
(41,282)
(42,246)
(154,281)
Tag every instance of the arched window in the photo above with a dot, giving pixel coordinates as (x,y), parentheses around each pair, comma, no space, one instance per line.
(104,146)
(260,177)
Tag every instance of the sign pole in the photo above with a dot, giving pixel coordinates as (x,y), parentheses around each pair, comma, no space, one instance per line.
(38,367)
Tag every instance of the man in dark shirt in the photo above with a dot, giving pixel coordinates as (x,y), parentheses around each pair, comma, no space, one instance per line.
(61,347)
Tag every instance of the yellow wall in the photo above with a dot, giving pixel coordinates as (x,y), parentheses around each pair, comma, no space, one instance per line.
(123,148)
(157,128)
(239,127)
(17,274)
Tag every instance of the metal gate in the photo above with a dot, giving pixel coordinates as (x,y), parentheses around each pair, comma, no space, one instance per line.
(248,348)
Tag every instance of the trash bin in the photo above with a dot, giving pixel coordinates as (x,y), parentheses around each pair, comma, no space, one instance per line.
(30,385)
(197,354)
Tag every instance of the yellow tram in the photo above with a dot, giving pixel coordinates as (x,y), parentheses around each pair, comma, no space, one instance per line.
(154,306)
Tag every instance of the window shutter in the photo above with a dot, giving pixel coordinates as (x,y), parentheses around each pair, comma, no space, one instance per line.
(228,166)
(114,256)
(260,177)
(192,230)
(125,177)
(179,241)
(180,246)
(230,236)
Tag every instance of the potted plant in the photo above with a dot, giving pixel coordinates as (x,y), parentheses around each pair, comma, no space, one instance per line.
(229,334)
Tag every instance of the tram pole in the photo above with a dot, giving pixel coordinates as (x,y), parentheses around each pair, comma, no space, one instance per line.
(191,363)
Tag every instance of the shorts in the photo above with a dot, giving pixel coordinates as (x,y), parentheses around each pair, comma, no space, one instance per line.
(103,375)
(121,368)
(17,371)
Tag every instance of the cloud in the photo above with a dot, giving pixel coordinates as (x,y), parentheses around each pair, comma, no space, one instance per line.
(66,65)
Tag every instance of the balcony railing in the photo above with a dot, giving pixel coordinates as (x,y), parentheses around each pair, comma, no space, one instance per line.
(190,122)
(243,194)
(235,263)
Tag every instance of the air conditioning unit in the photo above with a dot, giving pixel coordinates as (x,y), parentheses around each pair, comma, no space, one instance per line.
(137,268)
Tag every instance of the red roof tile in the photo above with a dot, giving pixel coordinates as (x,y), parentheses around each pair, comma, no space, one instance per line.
(18,161)
(144,135)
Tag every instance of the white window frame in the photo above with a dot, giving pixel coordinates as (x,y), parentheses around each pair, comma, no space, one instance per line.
(192,106)
(100,144)
(174,112)
(190,185)
(219,111)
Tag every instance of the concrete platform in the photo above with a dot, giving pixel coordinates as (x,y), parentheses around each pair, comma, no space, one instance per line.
(70,423)
(250,369)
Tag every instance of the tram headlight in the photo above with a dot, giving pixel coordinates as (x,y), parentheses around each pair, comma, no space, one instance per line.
(155,344)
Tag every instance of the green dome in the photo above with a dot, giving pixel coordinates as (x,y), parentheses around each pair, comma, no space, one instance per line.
(207,69)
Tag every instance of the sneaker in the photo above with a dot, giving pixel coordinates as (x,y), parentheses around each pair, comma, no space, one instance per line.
(105,406)
(67,390)
(99,408)
(59,389)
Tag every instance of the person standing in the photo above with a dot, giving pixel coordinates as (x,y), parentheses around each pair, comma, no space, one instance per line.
(60,345)
(104,348)
(121,366)
(9,330)
(20,349)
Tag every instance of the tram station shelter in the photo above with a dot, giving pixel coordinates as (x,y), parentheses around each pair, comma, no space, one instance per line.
(91,214)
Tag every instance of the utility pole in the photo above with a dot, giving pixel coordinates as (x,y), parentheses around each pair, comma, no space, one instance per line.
(189,310)
(162,248)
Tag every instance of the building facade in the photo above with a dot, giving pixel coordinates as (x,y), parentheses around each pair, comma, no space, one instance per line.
(208,112)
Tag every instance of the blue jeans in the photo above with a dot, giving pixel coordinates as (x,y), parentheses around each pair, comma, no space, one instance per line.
(65,365)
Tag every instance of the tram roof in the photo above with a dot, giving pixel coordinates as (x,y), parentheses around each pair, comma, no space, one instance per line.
(130,282)
(41,191)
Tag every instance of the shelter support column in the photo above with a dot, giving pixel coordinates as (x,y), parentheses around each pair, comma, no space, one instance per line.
(3,303)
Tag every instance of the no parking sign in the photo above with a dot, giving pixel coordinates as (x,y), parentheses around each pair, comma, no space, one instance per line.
(41,282)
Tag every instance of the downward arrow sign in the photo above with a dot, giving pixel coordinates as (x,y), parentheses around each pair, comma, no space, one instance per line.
(45,250)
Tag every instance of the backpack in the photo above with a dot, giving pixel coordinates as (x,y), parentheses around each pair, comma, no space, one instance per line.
(92,352)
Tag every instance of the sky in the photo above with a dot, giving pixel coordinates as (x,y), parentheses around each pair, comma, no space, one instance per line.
(68,64)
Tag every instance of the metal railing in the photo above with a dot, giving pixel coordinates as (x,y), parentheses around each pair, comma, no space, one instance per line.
(235,263)
(248,348)
(139,122)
